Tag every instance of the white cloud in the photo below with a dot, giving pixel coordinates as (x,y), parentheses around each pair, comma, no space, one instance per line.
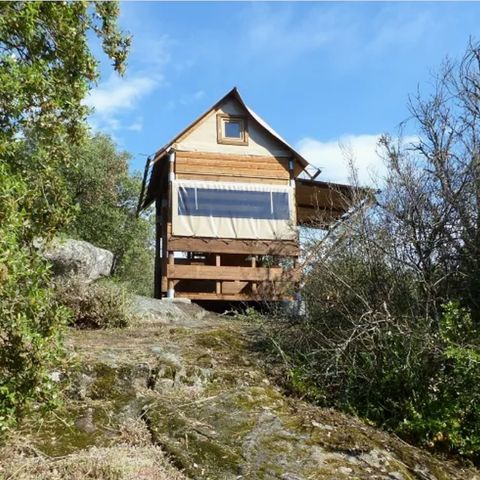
(136,126)
(116,99)
(118,94)
(332,157)
(281,33)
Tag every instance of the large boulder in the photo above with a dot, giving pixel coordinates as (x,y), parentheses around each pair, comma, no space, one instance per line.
(80,259)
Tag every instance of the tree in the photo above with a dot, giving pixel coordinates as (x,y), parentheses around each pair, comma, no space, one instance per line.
(106,196)
(46,69)
(393,326)
(439,177)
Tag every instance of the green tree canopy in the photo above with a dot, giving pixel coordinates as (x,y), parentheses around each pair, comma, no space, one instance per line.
(106,197)
(46,69)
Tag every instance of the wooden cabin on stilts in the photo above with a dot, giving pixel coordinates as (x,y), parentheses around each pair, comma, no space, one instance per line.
(229,196)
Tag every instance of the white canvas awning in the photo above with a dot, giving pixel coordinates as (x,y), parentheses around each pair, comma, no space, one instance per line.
(233,210)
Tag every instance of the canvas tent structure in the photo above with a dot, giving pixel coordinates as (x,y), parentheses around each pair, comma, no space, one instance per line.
(229,195)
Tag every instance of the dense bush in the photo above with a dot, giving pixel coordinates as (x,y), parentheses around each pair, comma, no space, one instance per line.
(30,320)
(400,368)
(94,305)
(447,416)
(106,195)
(392,325)
(46,70)
(404,374)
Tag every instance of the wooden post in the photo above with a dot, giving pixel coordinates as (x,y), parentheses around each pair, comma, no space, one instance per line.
(218,284)
(165,245)
(254,264)
(171,257)
(171,285)
(157,288)
(292,172)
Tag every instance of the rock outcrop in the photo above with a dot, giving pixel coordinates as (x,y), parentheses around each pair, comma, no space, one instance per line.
(80,259)
(188,394)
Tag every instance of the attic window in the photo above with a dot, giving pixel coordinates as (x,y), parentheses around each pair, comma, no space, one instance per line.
(232,129)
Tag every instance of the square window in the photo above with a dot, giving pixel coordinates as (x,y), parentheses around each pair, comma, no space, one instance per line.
(232,129)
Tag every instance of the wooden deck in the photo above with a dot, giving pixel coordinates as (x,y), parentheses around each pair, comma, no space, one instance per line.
(230,277)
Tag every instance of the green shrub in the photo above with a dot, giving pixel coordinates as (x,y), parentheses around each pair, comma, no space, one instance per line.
(408,374)
(46,70)
(368,346)
(106,195)
(95,305)
(135,268)
(30,319)
(448,416)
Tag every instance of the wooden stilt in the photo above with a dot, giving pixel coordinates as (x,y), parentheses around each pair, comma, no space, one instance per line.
(254,265)
(218,284)
(157,288)
(171,284)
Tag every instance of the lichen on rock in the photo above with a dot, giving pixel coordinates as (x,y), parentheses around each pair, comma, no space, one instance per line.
(194,388)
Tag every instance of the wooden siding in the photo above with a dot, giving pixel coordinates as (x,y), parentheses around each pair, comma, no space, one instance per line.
(230,178)
(247,247)
(238,168)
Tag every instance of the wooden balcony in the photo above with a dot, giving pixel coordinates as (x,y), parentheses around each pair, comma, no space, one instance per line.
(231,277)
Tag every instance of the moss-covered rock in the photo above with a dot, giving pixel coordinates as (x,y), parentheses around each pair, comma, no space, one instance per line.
(205,396)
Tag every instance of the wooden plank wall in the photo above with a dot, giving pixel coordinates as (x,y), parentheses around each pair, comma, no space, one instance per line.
(231,168)
(228,269)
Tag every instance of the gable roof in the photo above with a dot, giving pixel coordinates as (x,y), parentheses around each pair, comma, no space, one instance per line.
(152,188)
(253,116)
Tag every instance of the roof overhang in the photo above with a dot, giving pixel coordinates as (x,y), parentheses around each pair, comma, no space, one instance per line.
(321,203)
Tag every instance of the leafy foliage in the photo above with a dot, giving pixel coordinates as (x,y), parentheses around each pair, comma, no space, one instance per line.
(30,320)
(448,416)
(46,69)
(96,305)
(391,331)
(106,197)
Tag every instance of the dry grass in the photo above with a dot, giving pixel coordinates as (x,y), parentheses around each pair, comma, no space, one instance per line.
(132,458)
(121,462)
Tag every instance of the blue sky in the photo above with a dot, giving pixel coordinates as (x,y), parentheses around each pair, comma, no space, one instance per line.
(321,74)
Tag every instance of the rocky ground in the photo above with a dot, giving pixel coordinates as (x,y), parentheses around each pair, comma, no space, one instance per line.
(184,393)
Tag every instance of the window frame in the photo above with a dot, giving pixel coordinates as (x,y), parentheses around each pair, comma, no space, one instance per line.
(272,205)
(222,118)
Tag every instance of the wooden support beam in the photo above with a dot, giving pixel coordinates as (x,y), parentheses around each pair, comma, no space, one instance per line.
(157,288)
(210,272)
(171,285)
(236,297)
(254,264)
(287,248)
(218,285)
